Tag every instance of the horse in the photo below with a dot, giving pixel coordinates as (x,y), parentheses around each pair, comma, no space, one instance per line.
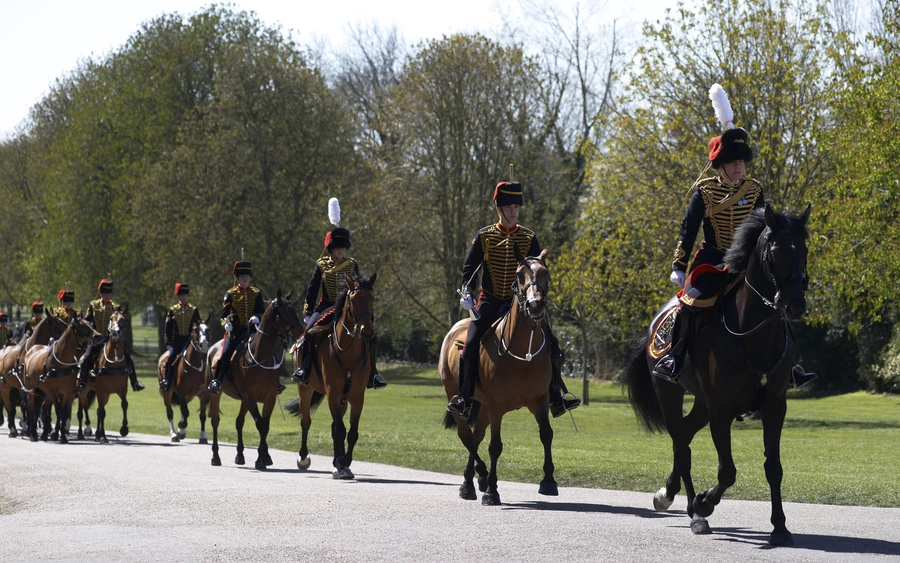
(12,359)
(514,371)
(342,375)
(108,378)
(737,362)
(255,377)
(189,381)
(53,371)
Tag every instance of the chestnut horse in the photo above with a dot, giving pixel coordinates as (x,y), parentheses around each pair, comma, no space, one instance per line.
(188,381)
(51,376)
(342,372)
(254,377)
(109,377)
(740,361)
(12,360)
(514,372)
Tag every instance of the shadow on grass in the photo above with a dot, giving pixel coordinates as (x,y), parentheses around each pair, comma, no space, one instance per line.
(814,542)
(587,507)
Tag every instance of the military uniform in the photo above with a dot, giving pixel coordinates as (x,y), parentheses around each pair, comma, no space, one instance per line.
(37,312)
(493,252)
(6,333)
(239,306)
(66,314)
(180,320)
(98,314)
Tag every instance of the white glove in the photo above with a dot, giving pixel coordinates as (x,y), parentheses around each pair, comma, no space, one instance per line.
(467,303)
(677,277)
(254,320)
(228,327)
(306,319)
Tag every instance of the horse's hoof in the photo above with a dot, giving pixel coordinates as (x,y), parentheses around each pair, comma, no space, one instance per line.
(491,499)
(123,431)
(548,488)
(239,459)
(661,502)
(781,539)
(43,437)
(175,438)
(88,432)
(467,491)
(343,474)
(202,441)
(80,436)
(34,439)
(303,464)
(104,440)
(702,508)
(181,435)
(13,433)
(482,484)
(699,526)
(63,439)
(216,462)
(54,436)
(260,465)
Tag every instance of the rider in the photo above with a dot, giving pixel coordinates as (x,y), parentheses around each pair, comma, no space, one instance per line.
(330,274)
(37,313)
(65,311)
(492,249)
(720,203)
(6,334)
(241,307)
(180,318)
(98,314)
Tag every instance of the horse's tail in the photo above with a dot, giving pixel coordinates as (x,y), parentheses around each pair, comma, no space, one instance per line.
(293,406)
(450,422)
(638,383)
(91,397)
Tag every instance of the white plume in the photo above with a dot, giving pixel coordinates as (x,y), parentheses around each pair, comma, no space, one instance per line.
(722,106)
(334,212)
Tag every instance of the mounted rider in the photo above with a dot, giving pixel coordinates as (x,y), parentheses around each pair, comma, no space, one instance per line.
(241,308)
(492,252)
(330,277)
(65,311)
(720,204)
(6,333)
(180,320)
(37,314)
(98,314)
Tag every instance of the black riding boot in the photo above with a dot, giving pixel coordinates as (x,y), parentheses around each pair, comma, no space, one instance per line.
(222,369)
(468,372)
(559,402)
(302,375)
(132,374)
(376,381)
(166,383)
(669,365)
(83,374)
(800,377)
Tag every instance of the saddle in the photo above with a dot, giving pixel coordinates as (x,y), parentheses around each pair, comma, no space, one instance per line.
(460,344)
(705,284)
(324,324)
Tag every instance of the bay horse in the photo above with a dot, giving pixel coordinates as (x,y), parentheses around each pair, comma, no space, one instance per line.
(12,360)
(342,372)
(188,381)
(739,361)
(514,372)
(109,377)
(51,376)
(254,377)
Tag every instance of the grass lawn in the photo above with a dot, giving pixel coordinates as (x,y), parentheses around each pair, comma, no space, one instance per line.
(838,449)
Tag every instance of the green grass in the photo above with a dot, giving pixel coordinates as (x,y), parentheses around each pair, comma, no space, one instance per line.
(837,449)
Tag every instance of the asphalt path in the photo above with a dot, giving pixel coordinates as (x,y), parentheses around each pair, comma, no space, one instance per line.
(142,498)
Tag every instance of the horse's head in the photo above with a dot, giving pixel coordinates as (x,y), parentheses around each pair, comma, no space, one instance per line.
(200,335)
(784,255)
(359,305)
(116,325)
(285,315)
(85,332)
(532,284)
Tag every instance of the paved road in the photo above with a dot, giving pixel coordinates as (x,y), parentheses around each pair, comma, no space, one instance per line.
(144,499)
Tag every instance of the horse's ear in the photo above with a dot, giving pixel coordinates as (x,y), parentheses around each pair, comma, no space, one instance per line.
(543,255)
(350,283)
(371,280)
(289,295)
(518,253)
(770,217)
(278,294)
(804,218)
(206,320)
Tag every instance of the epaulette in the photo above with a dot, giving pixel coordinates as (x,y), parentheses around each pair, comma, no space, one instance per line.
(528,231)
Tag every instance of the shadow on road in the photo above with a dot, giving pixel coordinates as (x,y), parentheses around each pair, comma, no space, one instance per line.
(585,507)
(815,542)
(402,482)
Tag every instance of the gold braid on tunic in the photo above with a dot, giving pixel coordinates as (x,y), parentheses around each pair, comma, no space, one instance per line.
(243,303)
(182,317)
(501,258)
(726,221)
(334,276)
(102,313)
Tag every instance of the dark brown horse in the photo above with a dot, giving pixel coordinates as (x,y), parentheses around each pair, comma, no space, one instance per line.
(12,363)
(343,368)
(189,382)
(255,372)
(740,360)
(514,372)
(109,377)
(51,375)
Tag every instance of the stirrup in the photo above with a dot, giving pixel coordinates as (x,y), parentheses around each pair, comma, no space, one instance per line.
(281,388)
(377,382)
(460,406)
(800,377)
(301,376)
(164,385)
(137,386)
(215,387)
(564,405)
(666,368)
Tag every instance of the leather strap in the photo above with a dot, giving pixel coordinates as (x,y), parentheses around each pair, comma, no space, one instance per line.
(726,203)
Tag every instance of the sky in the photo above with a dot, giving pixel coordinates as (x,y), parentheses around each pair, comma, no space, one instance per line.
(43,40)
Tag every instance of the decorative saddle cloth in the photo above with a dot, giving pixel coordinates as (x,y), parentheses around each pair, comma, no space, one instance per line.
(705,284)
(661,330)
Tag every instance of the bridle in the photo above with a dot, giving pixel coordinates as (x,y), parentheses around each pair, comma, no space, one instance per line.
(280,334)
(521,294)
(353,317)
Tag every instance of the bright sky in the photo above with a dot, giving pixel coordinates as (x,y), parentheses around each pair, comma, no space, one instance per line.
(42,40)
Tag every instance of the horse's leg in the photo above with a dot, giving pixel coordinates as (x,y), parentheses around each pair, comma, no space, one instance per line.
(46,407)
(720,428)
(87,412)
(182,425)
(32,416)
(81,410)
(214,416)
(204,404)
(100,434)
(170,416)
(263,459)
(491,497)
(6,394)
(773,421)
(357,400)
(66,413)
(59,408)
(338,431)
(239,426)
(478,431)
(303,460)
(123,431)
(541,414)
(691,424)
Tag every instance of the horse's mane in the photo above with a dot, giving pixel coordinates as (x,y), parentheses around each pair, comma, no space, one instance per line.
(342,296)
(744,244)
